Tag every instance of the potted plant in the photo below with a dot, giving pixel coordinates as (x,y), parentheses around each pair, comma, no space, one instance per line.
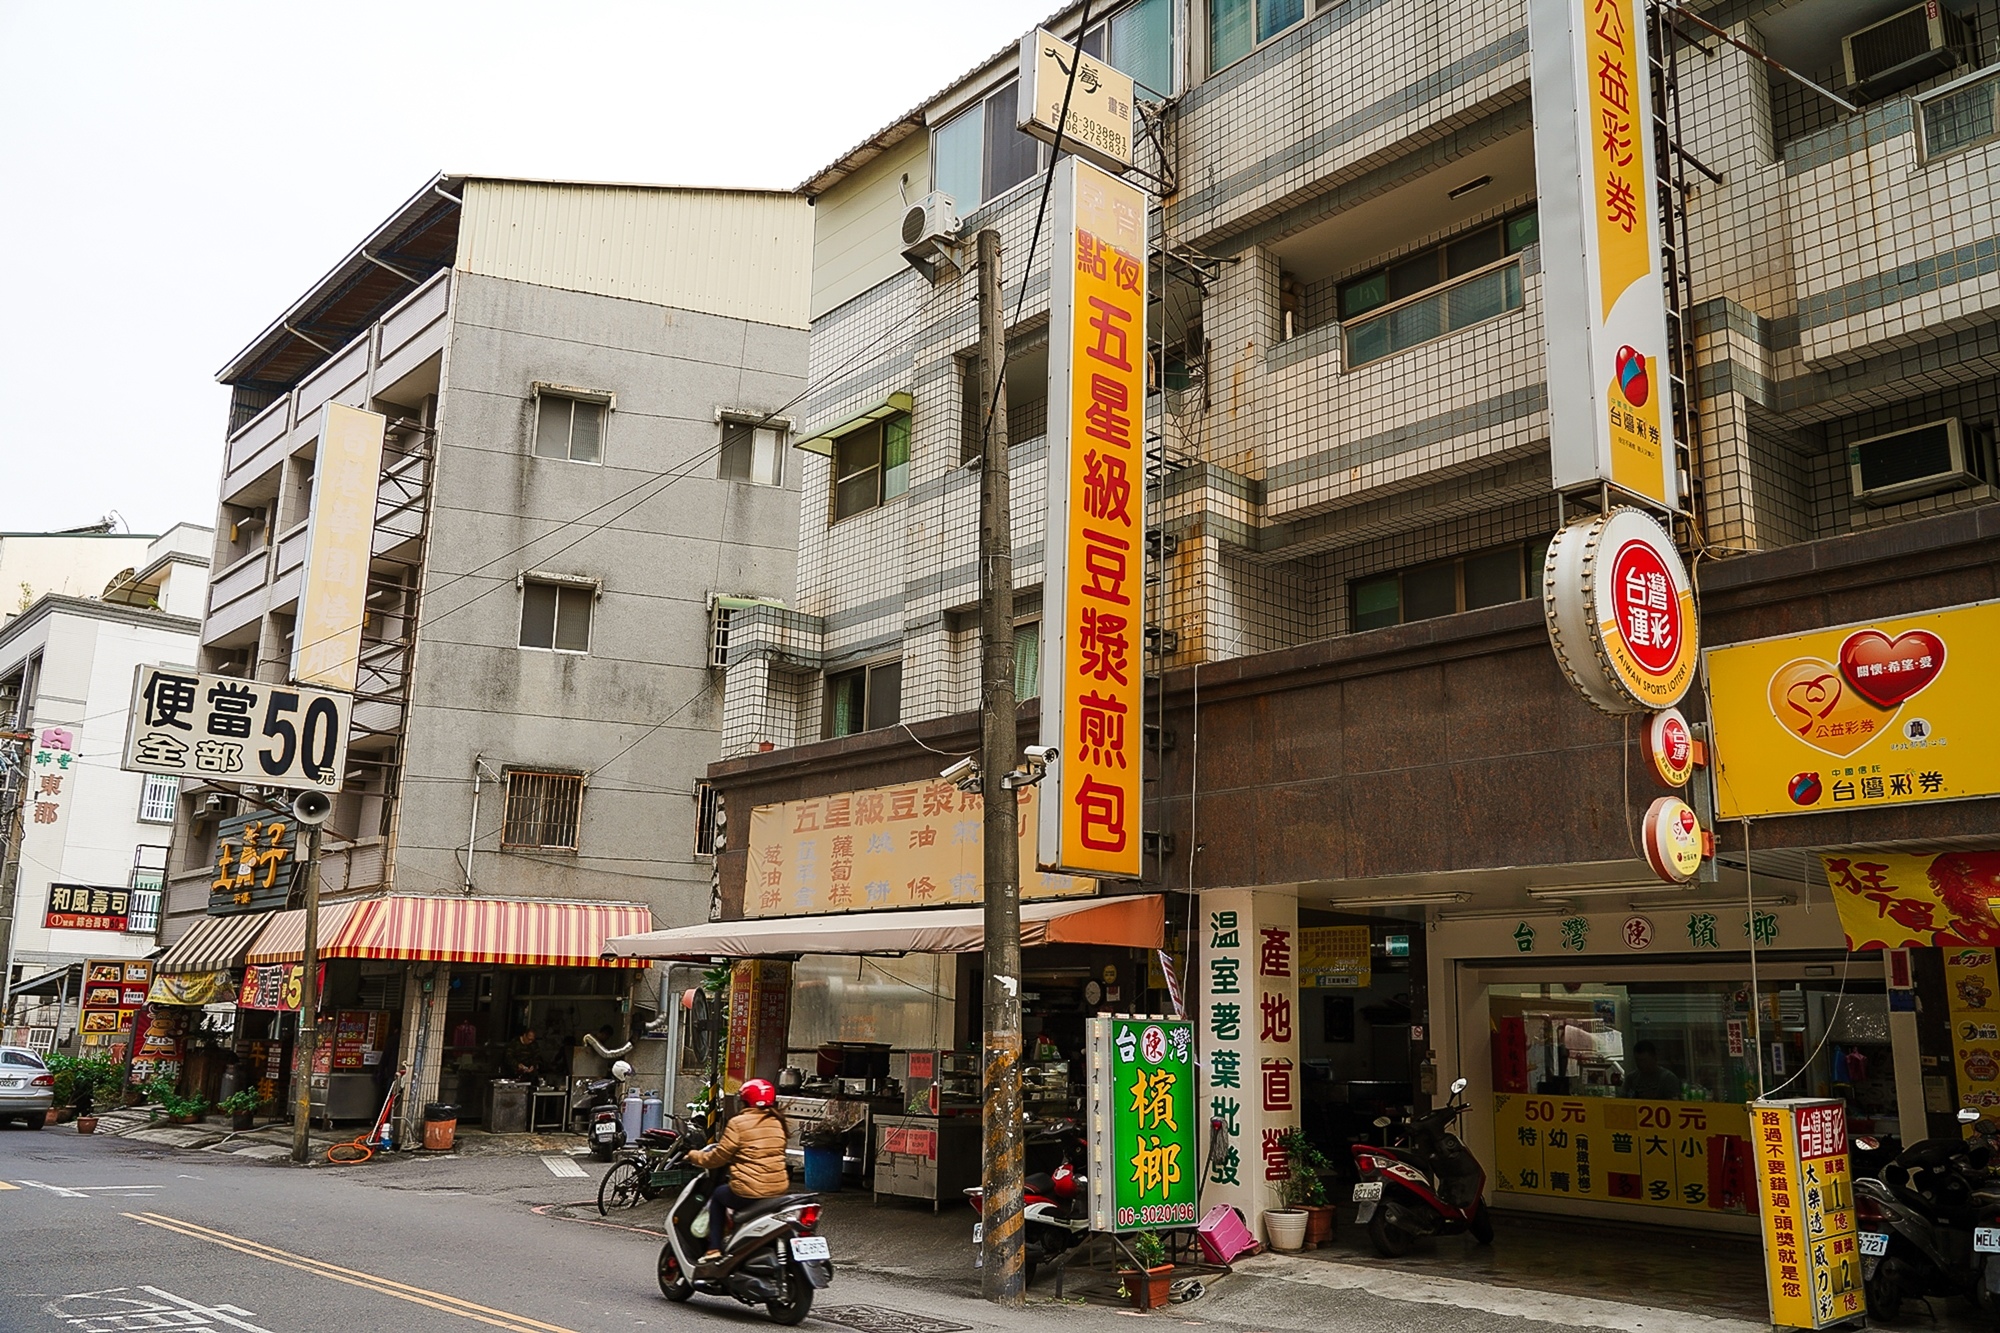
(242,1108)
(1308,1166)
(1150,1286)
(1285,1225)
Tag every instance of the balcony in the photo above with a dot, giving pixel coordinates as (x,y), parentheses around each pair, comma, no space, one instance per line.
(1422,319)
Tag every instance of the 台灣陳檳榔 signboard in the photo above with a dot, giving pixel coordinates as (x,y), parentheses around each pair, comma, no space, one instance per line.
(1141,1089)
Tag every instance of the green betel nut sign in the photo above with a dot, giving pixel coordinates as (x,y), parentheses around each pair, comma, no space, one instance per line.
(1141,1085)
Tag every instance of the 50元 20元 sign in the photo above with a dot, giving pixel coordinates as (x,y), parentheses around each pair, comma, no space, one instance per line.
(191,724)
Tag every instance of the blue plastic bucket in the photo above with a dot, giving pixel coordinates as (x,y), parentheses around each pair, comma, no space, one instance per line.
(823,1170)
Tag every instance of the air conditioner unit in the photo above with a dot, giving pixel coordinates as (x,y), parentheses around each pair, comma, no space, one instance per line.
(930,228)
(1903,49)
(1923,460)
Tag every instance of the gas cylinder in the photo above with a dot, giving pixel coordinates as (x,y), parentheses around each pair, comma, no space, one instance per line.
(654,1114)
(632,1115)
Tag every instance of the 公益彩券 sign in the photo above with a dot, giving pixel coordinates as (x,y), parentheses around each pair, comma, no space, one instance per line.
(191,724)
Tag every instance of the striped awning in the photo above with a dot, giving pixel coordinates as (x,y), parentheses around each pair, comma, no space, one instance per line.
(506,932)
(216,944)
(283,940)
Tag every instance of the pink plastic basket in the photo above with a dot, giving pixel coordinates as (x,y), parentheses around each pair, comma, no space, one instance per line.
(1224,1236)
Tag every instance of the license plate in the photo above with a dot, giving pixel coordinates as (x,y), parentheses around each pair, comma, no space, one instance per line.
(1877,1243)
(978,1233)
(1986,1240)
(1368,1191)
(810,1247)
(10,1082)
(603,1131)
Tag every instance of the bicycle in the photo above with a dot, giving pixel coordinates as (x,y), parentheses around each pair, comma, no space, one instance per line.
(640,1173)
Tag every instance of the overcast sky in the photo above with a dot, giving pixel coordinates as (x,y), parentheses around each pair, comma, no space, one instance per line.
(174,175)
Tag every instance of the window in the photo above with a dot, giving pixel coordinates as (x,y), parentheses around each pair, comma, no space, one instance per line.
(1235,27)
(571,428)
(871,466)
(864,699)
(706,802)
(1444,587)
(1028,660)
(542,810)
(556,616)
(1961,118)
(1436,291)
(21,1060)
(1141,45)
(751,453)
(979,155)
(158,798)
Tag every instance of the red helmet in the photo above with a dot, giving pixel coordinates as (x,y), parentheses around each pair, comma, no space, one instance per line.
(758,1092)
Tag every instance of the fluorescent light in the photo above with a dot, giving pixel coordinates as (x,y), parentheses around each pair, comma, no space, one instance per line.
(1607,890)
(1400,900)
(1476,183)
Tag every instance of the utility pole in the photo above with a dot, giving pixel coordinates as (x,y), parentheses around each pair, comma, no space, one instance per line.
(1002,1276)
(308,1042)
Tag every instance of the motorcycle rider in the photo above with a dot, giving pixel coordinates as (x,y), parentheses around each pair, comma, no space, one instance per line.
(753,1147)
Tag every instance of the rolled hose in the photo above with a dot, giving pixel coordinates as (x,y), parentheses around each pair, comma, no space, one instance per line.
(608,1052)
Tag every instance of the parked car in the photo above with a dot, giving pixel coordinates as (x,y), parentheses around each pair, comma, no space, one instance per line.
(27,1088)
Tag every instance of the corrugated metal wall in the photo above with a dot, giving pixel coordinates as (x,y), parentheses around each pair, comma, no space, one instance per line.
(736,253)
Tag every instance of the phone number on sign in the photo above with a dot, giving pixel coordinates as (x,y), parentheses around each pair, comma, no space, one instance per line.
(1157,1214)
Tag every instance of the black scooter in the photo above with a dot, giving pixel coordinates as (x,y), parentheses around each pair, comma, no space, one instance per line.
(771,1256)
(599,1102)
(1921,1223)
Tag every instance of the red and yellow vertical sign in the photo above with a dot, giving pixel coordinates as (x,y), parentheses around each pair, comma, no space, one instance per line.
(1094,663)
(1811,1256)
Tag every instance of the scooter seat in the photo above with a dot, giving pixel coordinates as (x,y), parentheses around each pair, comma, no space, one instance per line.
(1039,1183)
(663,1138)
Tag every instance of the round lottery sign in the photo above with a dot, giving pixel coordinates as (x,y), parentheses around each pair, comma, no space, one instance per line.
(1673,840)
(1670,747)
(1620,611)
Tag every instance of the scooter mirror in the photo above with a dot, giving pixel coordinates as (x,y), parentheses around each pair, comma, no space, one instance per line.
(1382,1122)
(1457,1086)
(1968,1116)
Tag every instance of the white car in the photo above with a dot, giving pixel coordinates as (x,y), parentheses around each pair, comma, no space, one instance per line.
(27,1088)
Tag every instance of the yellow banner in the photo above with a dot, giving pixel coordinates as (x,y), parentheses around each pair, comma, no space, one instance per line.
(920,844)
(1336,957)
(1916,902)
(333,588)
(1811,1258)
(1883,712)
(1693,1156)
(1972,992)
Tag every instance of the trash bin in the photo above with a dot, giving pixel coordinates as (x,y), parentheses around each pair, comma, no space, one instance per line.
(823,1169)
(440,1126)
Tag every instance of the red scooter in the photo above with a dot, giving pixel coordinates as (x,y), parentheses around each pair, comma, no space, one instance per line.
(1429,1185)
(1055,1215)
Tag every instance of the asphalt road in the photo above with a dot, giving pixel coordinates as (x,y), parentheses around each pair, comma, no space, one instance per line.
(103,1235)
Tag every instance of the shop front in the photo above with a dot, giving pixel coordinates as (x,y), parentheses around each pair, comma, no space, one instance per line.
(188,1030)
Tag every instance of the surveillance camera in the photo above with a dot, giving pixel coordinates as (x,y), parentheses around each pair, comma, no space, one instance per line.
(959,769)
(1042,754)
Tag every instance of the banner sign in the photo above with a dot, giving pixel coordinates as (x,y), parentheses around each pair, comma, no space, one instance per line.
(276,985)
(1891,901)
(1099,126)
(918,844)
(1140,1086)
(113,989)
(1604,316)
(189,724)
(257,860)
(81,907)
(1972,997)
(1094,650)
(333,587)
(55,750)
(1812,1261)
(1692,1156)
(1885,712)
(1336,957)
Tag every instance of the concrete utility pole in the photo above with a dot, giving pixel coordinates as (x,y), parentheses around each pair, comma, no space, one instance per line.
(308,1042)
(1002,1276)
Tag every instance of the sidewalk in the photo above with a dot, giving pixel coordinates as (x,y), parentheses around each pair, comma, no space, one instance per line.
(273,1141)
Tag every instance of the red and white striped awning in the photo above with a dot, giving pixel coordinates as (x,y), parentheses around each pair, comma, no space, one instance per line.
(503,932)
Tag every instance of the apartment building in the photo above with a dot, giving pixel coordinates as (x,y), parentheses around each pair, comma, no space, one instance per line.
(586,395)
(83,845)
(1356,720)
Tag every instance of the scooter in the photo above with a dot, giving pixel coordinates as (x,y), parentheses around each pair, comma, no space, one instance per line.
(771,1256)
(1055,1213)
(1429,1185)
(1930,1224)
(599,1099)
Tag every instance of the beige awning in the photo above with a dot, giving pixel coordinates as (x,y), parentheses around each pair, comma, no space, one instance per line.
(821,442)
(214,944)
(284,939)
(1136,921)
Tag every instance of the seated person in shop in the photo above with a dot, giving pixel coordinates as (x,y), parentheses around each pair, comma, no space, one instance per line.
(752,1146)
(1648,1080)
(522,1059)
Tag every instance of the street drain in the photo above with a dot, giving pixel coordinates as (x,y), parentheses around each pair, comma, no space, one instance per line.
(876,1319)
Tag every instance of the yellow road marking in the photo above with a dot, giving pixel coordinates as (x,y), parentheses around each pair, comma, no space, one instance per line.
(435,1300)
(5,1186)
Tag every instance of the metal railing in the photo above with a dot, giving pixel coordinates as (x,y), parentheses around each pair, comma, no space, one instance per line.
(1420,319)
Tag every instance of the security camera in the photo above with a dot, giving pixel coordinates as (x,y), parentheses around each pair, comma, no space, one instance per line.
(959,769)
(1042,754)
(311,808)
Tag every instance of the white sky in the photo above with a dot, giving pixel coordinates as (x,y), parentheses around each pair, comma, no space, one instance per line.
(173,176)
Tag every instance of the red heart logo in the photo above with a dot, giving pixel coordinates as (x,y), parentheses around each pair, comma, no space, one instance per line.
(1887,671)
(1687,821)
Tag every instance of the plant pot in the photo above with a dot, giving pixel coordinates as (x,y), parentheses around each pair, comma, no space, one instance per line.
(194,1119)
(243,1120)
(1286,1228)
(1151,1288)
(86,1124)
(1319,1225)
(62,1115)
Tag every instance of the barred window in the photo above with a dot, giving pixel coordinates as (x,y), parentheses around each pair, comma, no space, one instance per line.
(158,798)
(705,798)
(543,810)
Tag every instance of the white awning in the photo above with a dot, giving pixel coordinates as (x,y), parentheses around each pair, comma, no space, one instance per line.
(1135,921)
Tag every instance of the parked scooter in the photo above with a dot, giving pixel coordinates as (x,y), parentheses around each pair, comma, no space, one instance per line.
(771,1256)
(1428,1185)
(1930,1224)
(1055,1210)
(599,1099)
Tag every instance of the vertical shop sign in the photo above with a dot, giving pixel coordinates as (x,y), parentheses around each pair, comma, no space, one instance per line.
(1142,1143)
(1972,993)
(759,1011)
(333,588)
(1250,1037)
(52,772)
(1093,655)
(1605,310)
(1812,1263)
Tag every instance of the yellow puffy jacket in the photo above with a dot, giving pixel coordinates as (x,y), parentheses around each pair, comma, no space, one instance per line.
(753,1147)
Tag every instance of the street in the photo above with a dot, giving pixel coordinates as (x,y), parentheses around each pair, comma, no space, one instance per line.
(105,1234)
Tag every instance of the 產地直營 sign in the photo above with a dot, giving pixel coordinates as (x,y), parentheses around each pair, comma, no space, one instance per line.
(1141,1089)
(1872,713)
(1093,660)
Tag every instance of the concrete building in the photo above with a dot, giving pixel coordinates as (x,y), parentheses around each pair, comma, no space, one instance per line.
(73,820)
(587,390)
(75,563)
(1356,718)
